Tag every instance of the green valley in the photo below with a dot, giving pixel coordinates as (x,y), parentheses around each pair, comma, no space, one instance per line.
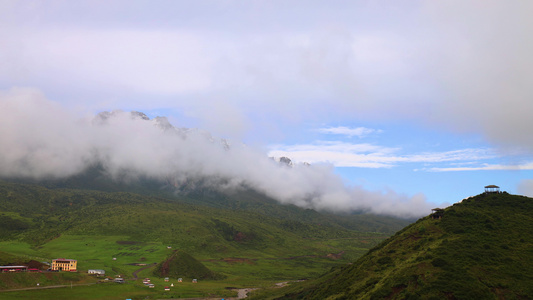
(246,239)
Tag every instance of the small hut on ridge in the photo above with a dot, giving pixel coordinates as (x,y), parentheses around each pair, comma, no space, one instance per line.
(492,189)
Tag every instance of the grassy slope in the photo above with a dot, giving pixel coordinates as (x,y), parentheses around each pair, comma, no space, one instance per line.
(249,239)
(480,249)
(200,194)
(46,214)
(180,264)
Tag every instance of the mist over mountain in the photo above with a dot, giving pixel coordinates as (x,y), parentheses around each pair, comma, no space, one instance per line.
(39,139)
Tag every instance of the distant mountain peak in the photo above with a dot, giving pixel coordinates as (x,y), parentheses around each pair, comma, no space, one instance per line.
(138,114)
(284,161)
(162,122)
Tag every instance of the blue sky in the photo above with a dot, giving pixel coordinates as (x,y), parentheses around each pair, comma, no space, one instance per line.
(444,167)
(428,98)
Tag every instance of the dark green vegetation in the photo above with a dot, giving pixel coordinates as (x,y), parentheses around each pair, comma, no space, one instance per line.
(245,239)
(481,248)
(181,264)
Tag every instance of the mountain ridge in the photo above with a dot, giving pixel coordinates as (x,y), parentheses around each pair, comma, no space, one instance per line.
(200,192)
(27,205)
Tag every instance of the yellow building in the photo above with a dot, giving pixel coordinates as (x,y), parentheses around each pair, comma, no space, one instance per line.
(63,264)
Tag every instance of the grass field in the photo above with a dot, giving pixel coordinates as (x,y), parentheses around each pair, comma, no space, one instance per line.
(250,269)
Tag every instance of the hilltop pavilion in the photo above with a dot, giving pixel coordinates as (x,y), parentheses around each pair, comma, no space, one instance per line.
(492,189)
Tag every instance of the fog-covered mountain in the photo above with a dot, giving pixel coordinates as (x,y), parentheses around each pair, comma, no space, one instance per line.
(39,139)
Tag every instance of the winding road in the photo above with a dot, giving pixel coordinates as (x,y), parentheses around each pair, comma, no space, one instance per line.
(134,274)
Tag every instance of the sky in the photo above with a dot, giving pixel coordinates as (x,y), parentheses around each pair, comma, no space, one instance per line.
(398,106)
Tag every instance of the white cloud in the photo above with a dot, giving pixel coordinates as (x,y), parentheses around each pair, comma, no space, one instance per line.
(452,64)
(40,139)
(481,61)
(465,155)
(525,187)
(339,154)
(347,131)
(342,154)
(159,62)
(486,167)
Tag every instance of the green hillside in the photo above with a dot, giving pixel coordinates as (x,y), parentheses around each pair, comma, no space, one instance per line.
(180,264)
(246,238)
(197,193)
(36,214)
(481,248)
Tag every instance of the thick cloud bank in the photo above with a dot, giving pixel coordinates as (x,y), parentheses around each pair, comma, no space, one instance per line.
(39,139)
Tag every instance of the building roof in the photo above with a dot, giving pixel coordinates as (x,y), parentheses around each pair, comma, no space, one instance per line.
(63,259)
(492,186)
(13,267)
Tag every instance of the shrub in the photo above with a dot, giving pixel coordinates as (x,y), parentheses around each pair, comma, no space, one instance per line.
(384,260)
(439,262)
